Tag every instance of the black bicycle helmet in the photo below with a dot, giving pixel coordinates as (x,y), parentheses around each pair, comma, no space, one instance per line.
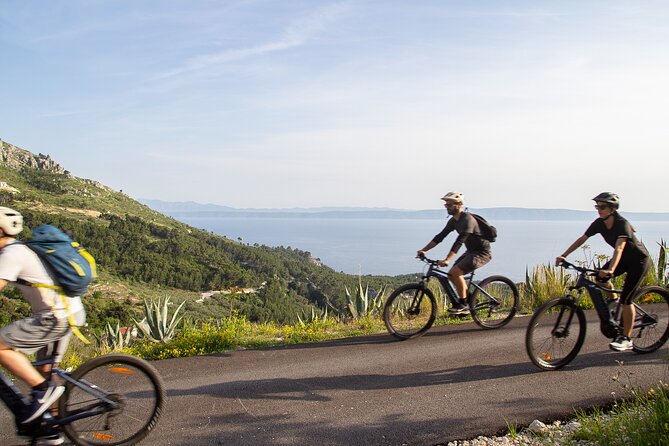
(608,198)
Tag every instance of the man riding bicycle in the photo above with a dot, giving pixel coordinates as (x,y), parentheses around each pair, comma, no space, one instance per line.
(629,256)
(469,234)
(38,333)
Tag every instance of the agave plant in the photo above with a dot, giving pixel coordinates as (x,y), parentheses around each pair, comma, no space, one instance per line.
(316,314)
(663,264)
(659,273)
(364,302)
(157,325)
(542,283)
(115,338)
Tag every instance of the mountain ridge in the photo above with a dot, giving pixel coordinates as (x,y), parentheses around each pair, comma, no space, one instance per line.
(191,208)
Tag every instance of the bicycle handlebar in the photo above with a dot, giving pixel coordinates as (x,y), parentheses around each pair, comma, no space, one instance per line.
(428,260)
(569,265)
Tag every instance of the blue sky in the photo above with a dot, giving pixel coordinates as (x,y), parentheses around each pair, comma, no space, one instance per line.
(274,104)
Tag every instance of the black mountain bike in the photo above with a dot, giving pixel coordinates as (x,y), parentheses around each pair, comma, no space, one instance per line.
(412,308)
(556,331)
(114,399)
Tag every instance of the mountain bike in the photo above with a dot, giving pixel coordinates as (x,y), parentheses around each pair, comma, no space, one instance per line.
(115,399)
(412,308)
(556,331)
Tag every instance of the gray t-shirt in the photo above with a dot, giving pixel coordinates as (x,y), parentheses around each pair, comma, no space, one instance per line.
(469,234)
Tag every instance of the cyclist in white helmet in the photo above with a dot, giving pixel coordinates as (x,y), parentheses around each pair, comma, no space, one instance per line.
(629,256)
(469,234)
(38,333)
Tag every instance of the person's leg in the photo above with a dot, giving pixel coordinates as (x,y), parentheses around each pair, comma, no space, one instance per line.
(633,280)
(464,265)
(30,335)
(457,278)
(629,313)
(19,364)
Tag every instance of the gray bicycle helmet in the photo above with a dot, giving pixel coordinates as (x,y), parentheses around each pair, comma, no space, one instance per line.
(608,198)
(11,221)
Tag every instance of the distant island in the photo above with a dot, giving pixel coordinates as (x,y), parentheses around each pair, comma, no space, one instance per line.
(193,209)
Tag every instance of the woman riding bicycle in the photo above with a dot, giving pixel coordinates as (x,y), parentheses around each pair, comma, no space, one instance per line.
(469,234)
(629,256)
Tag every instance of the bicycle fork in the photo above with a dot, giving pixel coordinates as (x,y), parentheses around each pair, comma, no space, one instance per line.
(561,330)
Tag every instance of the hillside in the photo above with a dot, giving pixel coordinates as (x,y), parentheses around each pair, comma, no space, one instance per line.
(142,252)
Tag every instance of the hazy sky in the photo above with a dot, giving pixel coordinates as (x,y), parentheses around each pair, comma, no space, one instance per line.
(374,103)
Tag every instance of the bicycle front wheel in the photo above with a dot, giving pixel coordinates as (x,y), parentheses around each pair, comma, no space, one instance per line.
(410,311)
(494,302)
(651,324)
(136,396)
(555,334)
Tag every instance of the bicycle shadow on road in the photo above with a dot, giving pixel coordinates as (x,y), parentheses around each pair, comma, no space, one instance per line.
(312,388)
(246,421)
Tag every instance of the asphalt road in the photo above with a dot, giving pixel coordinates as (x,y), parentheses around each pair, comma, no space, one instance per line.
(456,382)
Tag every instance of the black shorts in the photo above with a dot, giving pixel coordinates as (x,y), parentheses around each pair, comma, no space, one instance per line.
(635,275)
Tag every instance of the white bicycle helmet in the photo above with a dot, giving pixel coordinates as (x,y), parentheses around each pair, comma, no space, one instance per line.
(458,197)
(11,221)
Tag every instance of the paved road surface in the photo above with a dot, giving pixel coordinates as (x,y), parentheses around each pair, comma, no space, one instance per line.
(456,382)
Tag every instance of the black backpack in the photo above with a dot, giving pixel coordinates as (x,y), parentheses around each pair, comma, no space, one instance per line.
(488,231)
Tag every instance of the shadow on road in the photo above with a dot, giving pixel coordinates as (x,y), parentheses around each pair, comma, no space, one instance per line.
(242,427)
(307,388)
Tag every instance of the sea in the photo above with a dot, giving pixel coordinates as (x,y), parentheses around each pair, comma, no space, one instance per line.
(387,246)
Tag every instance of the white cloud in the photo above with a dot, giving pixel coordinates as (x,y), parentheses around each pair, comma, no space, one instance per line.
(296,34)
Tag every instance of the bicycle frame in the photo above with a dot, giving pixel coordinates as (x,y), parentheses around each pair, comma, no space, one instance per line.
(609,325)
(610,321)
(446,284)
(18,404)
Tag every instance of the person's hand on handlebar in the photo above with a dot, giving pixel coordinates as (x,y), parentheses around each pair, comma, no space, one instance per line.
(442,263)
(604,275)
(559,260)
(420,254)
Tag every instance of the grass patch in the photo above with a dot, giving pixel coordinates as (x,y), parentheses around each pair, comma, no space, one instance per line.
(231,333)
(641,420)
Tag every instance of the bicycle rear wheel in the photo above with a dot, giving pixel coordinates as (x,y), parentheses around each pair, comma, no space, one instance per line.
(410,311)
(494,303)
(134,387)
(651,325)
(555,334)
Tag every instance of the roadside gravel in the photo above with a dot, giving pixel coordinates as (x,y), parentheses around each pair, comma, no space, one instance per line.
(537,434)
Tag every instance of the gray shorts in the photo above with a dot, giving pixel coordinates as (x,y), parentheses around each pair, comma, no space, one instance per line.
(469,261)
(37,334)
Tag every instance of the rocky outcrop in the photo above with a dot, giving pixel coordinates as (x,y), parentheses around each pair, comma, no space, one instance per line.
(17,158)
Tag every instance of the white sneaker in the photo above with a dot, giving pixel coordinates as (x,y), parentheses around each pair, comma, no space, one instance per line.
(41,401)
(52,440)
(621,344)
(459,309)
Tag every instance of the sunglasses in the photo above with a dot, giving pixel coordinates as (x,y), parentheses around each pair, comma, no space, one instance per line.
(601,207)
